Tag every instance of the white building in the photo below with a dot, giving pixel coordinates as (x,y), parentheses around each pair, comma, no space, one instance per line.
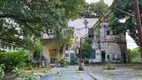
(70,56)
(106,46)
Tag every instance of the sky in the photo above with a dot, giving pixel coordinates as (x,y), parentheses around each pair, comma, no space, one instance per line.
(130,42)
(109,2)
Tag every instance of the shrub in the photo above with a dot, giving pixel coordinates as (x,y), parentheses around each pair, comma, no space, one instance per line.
(31,76)
(2,71)
(109,66)
(11,60)
(134,55)
(62,62)
(18,73)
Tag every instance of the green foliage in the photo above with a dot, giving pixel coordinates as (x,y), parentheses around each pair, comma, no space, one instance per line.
(58,76)
(129,25)
(2,71)
(20,20)
(71,7)
(18,73)
(31,76)
(62,62)
(93,10)
(11,60)
(64,38)
(2,51)
(138,74)
(109,66)
(86,49)
(134,55)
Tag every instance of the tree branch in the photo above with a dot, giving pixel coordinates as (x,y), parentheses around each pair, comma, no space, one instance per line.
(124,12)
(18,17)
(31,29)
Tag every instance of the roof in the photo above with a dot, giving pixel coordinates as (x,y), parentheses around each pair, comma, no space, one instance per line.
(79,23)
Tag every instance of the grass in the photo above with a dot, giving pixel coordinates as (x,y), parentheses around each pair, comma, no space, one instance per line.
(139,75)
(35,70)
(131,65)
(135,66)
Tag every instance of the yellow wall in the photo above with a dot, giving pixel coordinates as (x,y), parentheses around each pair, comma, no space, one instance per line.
(51,51)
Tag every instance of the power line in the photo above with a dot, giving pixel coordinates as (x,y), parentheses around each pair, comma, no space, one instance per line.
(104,16)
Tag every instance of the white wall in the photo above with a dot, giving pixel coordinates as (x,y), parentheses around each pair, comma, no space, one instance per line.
(79,27)
(69,52)
(46,53)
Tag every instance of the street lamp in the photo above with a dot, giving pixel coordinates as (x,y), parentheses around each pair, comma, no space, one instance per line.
(85,23)
(81,62)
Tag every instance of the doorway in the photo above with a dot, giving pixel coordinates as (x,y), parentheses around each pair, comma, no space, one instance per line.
(103,56)
(53,60)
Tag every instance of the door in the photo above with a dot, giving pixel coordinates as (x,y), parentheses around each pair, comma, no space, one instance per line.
(71,58)
(103,56)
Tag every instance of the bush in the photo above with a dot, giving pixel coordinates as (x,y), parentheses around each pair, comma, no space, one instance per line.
(2,71)
(109,66)
(134,55)
(11,60)
(62,62)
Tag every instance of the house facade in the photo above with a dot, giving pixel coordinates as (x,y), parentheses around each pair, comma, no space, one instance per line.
(106,46)
(50,49)
(70,56)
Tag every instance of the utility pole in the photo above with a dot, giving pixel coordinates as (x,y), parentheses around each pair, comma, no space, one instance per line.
(138,23)
(81,62)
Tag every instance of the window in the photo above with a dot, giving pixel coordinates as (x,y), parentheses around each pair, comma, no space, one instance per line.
(53,60)
(94,54)
(108,32)
(91,33)
(66,55)
(72,55)
(105,26)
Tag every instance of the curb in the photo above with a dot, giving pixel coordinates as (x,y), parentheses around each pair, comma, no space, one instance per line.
(95,77)
(92,76)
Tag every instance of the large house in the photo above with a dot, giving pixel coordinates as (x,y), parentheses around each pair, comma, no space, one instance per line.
(50,49)
(106,46)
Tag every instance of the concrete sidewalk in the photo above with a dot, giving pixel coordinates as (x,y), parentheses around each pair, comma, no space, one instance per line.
(69,73)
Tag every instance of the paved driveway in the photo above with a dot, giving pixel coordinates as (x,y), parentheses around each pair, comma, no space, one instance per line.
(120,73)
(92,73)
(69,73)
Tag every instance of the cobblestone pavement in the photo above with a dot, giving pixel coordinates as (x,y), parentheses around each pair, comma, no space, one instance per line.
(119,73)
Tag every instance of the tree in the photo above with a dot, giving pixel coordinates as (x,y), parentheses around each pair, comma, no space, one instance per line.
(21,19)
(128,25)
(64,38)
(93,10)
(86,49)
